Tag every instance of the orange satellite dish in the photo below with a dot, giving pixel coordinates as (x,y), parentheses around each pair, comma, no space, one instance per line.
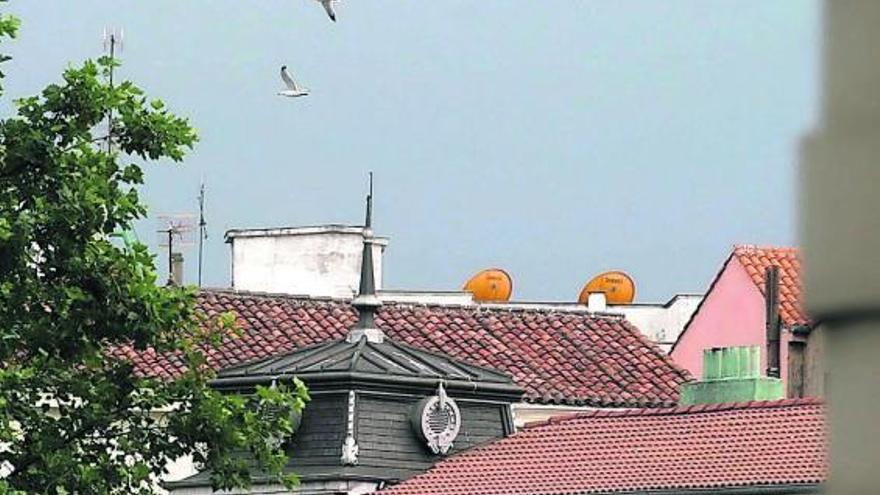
(490,285)
(618,287)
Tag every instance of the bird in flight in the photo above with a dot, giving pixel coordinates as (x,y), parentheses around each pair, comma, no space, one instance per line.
(292,90)
(328,7)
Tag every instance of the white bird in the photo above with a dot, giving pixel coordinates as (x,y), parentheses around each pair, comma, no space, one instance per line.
(293,90)
(328,6)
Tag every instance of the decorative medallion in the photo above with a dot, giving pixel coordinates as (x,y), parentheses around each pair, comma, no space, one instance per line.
(437,420)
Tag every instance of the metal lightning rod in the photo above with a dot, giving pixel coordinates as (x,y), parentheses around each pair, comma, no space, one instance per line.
(112,37)
(203,227)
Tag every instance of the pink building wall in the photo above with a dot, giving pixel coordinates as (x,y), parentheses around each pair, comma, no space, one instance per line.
(732,314)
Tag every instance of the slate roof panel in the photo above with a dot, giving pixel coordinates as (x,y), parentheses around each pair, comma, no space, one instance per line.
(385,358)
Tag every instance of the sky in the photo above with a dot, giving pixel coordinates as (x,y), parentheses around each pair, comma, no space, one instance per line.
(555,139)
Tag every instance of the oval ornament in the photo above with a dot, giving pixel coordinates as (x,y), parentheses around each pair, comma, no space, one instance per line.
(437,420)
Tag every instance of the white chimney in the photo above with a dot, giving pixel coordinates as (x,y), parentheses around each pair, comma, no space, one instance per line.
(176,275)
(597,301)
(321,261)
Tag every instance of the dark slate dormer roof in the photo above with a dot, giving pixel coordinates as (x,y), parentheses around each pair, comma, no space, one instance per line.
(386,362)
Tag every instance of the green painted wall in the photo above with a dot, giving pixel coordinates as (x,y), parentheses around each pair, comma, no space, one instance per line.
(731,374)
(730,390)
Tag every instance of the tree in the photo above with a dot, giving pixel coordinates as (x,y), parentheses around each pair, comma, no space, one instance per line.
(74,415)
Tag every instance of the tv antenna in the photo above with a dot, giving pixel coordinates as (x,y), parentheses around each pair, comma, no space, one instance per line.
(203,227)
(112,40)
(175,231)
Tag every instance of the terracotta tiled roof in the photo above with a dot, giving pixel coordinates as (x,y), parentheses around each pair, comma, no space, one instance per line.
(757,259)
(556,356)
(698,447)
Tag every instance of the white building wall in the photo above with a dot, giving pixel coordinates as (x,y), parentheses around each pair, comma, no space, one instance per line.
(662,324)
(315,261)
(179,469)
(440,298)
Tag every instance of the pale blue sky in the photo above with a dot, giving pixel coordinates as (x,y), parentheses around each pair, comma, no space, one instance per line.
(553,138)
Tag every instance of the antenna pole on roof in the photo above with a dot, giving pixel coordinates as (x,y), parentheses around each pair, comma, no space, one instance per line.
(173,234)
(366,301)
(203,227)
(170,232)
(112,37)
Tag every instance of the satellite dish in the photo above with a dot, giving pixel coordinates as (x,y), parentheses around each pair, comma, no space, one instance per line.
(490,285)
(618,287)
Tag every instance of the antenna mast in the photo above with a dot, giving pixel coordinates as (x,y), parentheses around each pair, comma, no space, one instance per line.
(175,232)
(112,37)
(170,231)
(203,227)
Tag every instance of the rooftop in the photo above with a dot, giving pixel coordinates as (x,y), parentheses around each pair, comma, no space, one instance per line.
(369,361)
(558,357)
(757,259)
(301,230)
(706,447)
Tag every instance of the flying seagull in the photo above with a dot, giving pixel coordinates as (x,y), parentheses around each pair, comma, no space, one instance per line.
(328,6)
(293,90)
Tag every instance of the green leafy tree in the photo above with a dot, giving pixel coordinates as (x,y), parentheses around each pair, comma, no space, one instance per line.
(77,295)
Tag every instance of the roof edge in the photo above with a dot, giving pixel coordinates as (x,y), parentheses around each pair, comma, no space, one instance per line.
(699,307)
(788,488)
(479,307)
(300,230)
(680,410)
(501,388)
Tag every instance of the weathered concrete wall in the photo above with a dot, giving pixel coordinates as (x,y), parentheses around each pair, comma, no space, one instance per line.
(840,231)
(814,364)
(315,261)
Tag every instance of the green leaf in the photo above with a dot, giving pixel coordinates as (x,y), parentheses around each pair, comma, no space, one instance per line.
(79,295)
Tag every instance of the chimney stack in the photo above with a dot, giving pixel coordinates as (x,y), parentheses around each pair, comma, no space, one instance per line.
(771,298)
(176,275)
(731,374)
(597,301)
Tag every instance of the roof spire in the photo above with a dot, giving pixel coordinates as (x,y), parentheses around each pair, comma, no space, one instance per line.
(366,301)
(368,222)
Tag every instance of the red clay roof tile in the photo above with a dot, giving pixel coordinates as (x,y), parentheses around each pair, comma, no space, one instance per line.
(708,446)
(557,357)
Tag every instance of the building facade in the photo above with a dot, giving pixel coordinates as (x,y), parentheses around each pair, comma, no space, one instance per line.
(734,312)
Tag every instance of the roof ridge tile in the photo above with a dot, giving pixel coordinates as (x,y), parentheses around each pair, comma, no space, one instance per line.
(678,410)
